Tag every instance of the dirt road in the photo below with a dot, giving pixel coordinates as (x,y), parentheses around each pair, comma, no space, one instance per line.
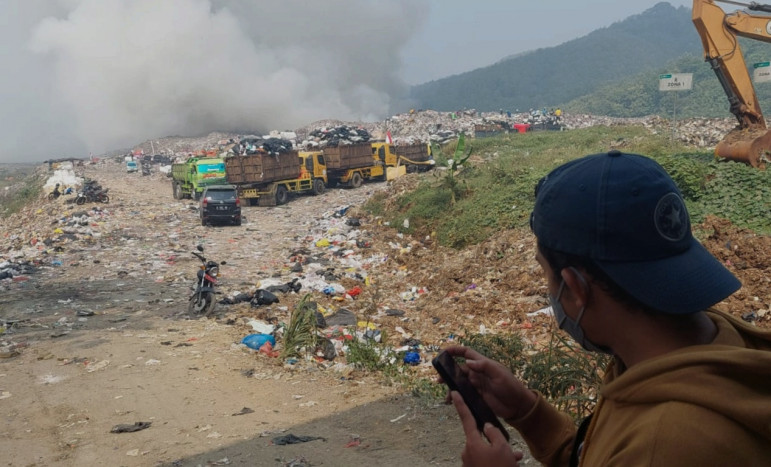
(103,340)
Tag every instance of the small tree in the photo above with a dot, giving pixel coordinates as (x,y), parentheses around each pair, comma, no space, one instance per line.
(459,157)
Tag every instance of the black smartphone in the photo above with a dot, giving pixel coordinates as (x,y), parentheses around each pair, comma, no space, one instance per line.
(457,380)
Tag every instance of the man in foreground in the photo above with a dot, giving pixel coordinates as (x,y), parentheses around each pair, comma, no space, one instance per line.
(688,386)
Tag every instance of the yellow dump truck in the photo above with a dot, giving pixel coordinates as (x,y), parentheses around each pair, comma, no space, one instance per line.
(269,180)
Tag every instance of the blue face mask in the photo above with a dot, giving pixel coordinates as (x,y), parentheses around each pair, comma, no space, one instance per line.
(573,328)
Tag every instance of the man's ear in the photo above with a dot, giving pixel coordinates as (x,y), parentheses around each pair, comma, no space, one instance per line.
(576,286)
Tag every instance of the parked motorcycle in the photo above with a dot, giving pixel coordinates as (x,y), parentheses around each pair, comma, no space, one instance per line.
(55,193)
(202,301)
(92,195)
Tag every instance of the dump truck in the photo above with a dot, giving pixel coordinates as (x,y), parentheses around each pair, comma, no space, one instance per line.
(190,178)
(415,157)
(386,162)
(268,179)
(351,165)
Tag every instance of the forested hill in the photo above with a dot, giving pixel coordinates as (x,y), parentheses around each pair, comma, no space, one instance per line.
(554,76)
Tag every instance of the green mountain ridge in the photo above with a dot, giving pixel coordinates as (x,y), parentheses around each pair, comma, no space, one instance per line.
(612,71)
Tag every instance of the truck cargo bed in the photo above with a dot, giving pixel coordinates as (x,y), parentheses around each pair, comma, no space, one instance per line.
(262,168)
(414,152)
(348,156)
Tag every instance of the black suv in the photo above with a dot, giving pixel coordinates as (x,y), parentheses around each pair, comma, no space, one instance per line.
(220,203)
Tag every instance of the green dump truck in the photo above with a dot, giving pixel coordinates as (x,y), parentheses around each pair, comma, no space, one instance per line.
(190,178)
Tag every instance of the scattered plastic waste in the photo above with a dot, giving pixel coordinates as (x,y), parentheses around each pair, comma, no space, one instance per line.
(138,426)
(412,358)
(294,439)
(261,327)
(256,341)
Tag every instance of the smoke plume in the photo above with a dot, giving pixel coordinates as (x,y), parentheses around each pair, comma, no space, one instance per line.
(95,75)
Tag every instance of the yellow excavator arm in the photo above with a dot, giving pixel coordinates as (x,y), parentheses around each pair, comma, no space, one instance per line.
(750,141)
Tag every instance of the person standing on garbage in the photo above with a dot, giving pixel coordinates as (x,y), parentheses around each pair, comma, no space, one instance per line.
(688,385)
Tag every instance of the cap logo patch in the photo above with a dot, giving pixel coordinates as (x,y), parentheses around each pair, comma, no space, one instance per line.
(671,217)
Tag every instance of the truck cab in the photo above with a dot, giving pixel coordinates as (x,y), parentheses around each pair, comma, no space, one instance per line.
(313,165)
(190,178)
(383,154)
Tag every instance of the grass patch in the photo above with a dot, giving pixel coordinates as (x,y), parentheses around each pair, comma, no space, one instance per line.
(375,205)
(566,375)
(370,355)
(498,193)
(20,194)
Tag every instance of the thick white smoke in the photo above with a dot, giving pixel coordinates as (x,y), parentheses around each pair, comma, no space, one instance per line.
(105,74)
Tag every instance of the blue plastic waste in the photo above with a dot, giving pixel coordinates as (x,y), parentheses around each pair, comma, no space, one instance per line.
(412,358)
(255,341)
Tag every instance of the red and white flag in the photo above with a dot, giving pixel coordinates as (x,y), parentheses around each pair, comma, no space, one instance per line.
(389,140)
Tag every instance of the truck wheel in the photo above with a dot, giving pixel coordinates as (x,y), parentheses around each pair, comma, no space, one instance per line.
(282,195)
(318,187)
(175,190)
(203,221)
(356,180)
(196,195)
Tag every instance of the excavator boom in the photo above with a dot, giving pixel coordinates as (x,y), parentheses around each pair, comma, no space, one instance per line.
(750,141)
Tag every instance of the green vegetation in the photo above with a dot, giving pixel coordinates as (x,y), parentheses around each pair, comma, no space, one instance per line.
(300,335)
(459,157)
(638,94)
(499,193)
(564,373)
(612,71)
(19,194)
(370,355)
(642,45)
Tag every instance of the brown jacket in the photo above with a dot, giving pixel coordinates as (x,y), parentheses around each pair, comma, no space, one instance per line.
(701,405)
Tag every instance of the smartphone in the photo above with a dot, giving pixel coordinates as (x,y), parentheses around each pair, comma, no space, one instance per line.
(457,380)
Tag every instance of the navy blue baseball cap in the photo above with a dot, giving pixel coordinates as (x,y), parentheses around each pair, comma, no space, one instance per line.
(624,212)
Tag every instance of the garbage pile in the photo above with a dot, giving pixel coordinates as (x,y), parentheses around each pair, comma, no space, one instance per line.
(333,269)
(442,137)
(15,268)
(544,120)
(182,145)
(64,175)
(162,159)
(42,244)
(336,136)
(256,145)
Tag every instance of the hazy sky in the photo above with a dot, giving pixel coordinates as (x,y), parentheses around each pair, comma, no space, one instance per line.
(84,76)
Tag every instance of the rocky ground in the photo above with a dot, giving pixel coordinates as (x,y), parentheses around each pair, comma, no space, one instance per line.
(96,332)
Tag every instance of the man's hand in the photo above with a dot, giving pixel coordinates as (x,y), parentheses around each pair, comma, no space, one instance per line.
(502,391)
(478,451)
